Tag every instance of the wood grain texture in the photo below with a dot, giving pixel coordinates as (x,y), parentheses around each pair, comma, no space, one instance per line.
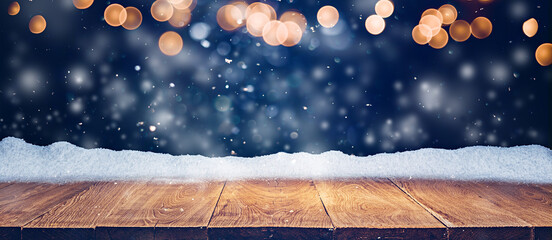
(464,210)
(22,202)
(372,208)
(264,208)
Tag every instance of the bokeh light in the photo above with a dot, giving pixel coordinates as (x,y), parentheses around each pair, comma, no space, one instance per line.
(37,24)
(256,23)
(481,27)
(440,40)
(230,17)
(327,16)
(162,10)
(182,4)
(82,4)
(275,33)
(295,33)
(170,43)
(14,8)
(296,17)
(421,34)
(384,8)
(449,14)
(460,31)
(375,24)
(133,18)
(435,13)
(433,22)
(115,15)
(180,18)
(530,27)
(544,54)
(258,7)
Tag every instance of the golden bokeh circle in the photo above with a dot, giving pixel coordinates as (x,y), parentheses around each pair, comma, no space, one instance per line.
(530,27)
(327,16)
(440,40)
(262,8)
(375,24)
(433,22)
(82,4)
(170,43)
(449,14)
(295,17)
(113,15)
(421,34)
(162,10)
(294,34)
(544,54)
(37,24)
(481,27)
(133,18)
(230,17)
(384,8)
(180,18)
(256,23)
(460,30)
(275,33)
(435,13)
(181,4)
(14,8)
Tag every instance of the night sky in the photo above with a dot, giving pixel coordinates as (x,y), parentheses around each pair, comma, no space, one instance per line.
(95,85)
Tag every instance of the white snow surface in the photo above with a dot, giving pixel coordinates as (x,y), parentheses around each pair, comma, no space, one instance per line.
(64,162)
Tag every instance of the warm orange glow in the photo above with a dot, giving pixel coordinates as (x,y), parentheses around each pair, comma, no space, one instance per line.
(256,23)
(544,54)
(433,22)
(37,24)
(162,10)
(421,34)
(449,14)
(327,16)
(180,18)
(384,8)
(375,24)
(264,8)
(133,18)
(275,33)
(14,8)
(230,17)
(481,27)
(530,27)
(295,17)
(115,15)
(82,4)
(294,34)
(170,43)
(460,30)
(435,13)
(440,40)
(181,4)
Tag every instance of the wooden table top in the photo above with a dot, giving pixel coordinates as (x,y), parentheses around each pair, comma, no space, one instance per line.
(277,209)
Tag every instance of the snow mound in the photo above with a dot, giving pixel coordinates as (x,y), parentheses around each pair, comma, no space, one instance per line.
(64,162)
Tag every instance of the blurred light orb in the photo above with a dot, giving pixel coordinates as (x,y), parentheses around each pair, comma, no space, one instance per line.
(440,40)
(133,18)
(259,7)
(115,15)
(162,10)
(375,24)
(295,33)
(181,4)
(14,8)
(256,23)
(82,4)
(421,34)
(296,17)
(530,27)
(544,54)
(460,30)
(37,24)
(435,13)
(275,33)
(327,16)
(433,22)
(170,43)
(384,8)
(449,14)
(180,18)
(200,31)
(481,27)
(230,17)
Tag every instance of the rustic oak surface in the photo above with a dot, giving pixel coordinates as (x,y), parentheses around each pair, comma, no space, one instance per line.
(375,207)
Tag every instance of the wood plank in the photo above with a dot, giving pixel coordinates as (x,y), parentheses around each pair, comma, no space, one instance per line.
(376,209)
(76,218)
(462,208)
(261,209)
